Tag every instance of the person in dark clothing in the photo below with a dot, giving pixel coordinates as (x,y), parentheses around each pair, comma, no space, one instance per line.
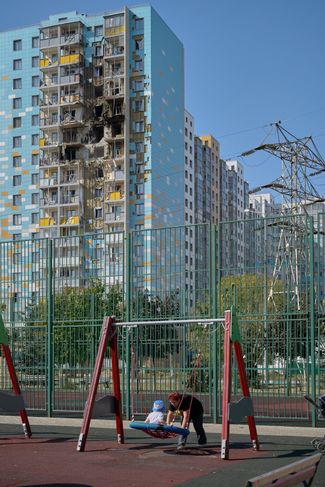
(191,409)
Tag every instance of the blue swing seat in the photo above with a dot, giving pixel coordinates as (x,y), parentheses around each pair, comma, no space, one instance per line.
(159,430)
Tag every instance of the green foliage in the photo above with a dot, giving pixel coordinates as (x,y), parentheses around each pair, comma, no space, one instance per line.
(78,315)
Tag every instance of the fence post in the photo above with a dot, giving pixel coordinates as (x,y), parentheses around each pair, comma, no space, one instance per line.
(312,317)
(49,293)
(214,312)
(128,302)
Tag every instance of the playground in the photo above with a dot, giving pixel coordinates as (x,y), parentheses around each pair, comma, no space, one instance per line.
(50,458)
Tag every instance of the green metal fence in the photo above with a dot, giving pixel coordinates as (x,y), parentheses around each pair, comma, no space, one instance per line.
(55,293)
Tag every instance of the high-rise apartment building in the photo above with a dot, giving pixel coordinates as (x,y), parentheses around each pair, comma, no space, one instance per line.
(207,179)
(237,199)
(91,122)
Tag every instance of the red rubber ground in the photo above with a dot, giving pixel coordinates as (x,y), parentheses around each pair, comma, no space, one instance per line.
(46,462)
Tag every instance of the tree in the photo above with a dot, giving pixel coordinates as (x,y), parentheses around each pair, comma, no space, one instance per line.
(76,316)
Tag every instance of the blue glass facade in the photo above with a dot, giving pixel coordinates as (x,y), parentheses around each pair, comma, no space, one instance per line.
(19,132)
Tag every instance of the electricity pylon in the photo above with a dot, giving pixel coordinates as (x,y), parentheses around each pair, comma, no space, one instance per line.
(301,161)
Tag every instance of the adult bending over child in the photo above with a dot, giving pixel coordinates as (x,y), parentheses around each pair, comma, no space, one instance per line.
(191,409)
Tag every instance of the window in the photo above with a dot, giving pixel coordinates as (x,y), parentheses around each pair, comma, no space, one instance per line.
(35,159)
(17,83)
(16,219)
(98,212)
(138,84)
(35,61)
(16,258)
(16,161)
(16,200)
(34,257)
(16,180)
(17,122)
(35,81)
(35,218)
(35,120)
(98,192)
(35,198)
(35,100)
(34,178)
(17,64)
(139,126)
(138,64)
(16,236)
(139,147)
(139,188)
(17,103)
(139,105)
(17,45)
(139,24)
(98,30)
(16,141)
(138,44)
(139,209)
(35,41)
(35,139)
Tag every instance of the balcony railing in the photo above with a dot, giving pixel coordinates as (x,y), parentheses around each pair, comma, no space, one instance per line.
(47,221)
(69,200)
(73,78)
(71,58)
(75,98)
(48,202)
(68,180)
(53,181)
(114,51)
(111,217)
(56,41)
(116,175)
(44,161)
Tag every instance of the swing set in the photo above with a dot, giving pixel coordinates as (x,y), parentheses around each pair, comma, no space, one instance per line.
(111,404)
(13,403)
(163,431)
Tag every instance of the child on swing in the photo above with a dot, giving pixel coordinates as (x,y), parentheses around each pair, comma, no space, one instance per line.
(158,413)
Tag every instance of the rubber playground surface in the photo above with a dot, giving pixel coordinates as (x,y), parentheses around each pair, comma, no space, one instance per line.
(50,458)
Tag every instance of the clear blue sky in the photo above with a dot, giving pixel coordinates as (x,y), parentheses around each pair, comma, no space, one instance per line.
(248,63)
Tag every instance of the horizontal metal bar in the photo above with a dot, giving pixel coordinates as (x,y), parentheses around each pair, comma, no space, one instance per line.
(171,322)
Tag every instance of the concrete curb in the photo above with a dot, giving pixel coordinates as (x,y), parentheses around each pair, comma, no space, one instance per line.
(241,429)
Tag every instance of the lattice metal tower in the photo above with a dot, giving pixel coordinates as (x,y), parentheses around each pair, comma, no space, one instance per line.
(301,161)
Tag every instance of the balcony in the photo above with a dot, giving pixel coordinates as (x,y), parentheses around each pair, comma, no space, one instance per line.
(46,222)
(48,63)
(48,182)
(49,83)
(48,143)
(112,218)
(114,196)
(45,161)
(72,220)
(71,139)
(116,176)
(69,39)
(71,59)
(71,99)
(114,73)
(69,200)
(69,180)
(46,122)
(71,79)
(113,31)
(111,51)
(48,202)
